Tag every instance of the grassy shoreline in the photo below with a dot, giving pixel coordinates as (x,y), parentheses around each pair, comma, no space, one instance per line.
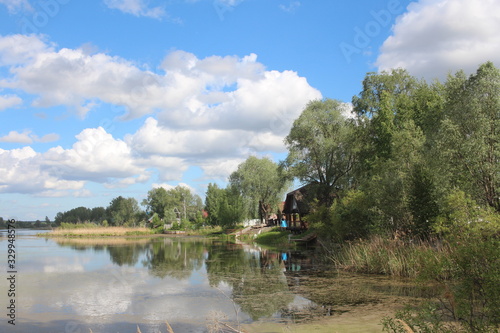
(99,232)
(94,231)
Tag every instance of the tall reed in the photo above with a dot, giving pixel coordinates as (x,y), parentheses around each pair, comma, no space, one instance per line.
(97,232)
(380,255)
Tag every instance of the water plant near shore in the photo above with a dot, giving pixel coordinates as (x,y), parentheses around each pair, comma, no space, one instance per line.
(379,255)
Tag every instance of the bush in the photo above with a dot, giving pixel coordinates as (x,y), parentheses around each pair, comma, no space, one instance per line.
(462,215)
(474,288)
(348,218)
(469,272)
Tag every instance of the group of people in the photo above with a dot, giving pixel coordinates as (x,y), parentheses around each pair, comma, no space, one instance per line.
(283,223)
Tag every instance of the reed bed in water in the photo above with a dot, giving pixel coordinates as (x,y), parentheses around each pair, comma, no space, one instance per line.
(98,232)
(380,255)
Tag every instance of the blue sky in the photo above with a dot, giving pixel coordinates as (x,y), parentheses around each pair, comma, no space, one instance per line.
(101,98)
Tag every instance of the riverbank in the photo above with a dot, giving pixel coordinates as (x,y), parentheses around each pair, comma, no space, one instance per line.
(98,232)
(95,231)
(364,318)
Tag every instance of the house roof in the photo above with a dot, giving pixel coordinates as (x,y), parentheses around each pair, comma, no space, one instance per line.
(296,202)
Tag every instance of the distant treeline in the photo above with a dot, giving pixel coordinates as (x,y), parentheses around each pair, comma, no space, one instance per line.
(26,224)
(174,205)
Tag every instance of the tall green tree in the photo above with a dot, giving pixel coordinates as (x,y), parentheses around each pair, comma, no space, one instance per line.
(321,148)
(395,112)
(173,204)
(260,184)
(469,141)
(156,202)
(232,209)
(123,211)
(185,202)
(213,200)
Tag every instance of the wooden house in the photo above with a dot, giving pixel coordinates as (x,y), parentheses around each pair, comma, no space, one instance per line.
(296,207)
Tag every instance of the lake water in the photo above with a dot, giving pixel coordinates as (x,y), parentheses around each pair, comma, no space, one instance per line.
(116,285)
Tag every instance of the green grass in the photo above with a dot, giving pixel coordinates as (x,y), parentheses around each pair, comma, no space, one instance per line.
(304,234)
(273,238)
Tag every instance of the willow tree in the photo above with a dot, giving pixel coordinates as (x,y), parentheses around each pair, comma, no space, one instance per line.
(260,184)
(321,148)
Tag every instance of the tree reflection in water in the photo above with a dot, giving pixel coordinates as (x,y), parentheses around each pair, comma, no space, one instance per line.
(175,258)
(256,277)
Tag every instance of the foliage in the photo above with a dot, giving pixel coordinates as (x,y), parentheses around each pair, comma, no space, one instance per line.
(174,204)
(232,208)
(468,273)
(468,142)
(123,211)
(81,215)
(461,214)
(321,148)
(156,221)
(391,169)
(473,268)
(422,202)
(213,201)
(260,184)
(156,202)
(347,218)
(475,288)
(392,145)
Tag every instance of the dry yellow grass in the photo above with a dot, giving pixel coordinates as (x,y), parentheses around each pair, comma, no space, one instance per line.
(97,241)
(95,232)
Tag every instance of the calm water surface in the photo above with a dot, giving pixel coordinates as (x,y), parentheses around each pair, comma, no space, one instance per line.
(115,285)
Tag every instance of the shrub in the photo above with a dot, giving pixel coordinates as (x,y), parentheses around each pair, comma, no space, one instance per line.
(347,218)
(469,270)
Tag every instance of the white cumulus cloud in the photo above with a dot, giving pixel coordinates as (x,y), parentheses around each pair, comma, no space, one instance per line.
(211,112)
(435,37)
(224,91)
(22,171)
